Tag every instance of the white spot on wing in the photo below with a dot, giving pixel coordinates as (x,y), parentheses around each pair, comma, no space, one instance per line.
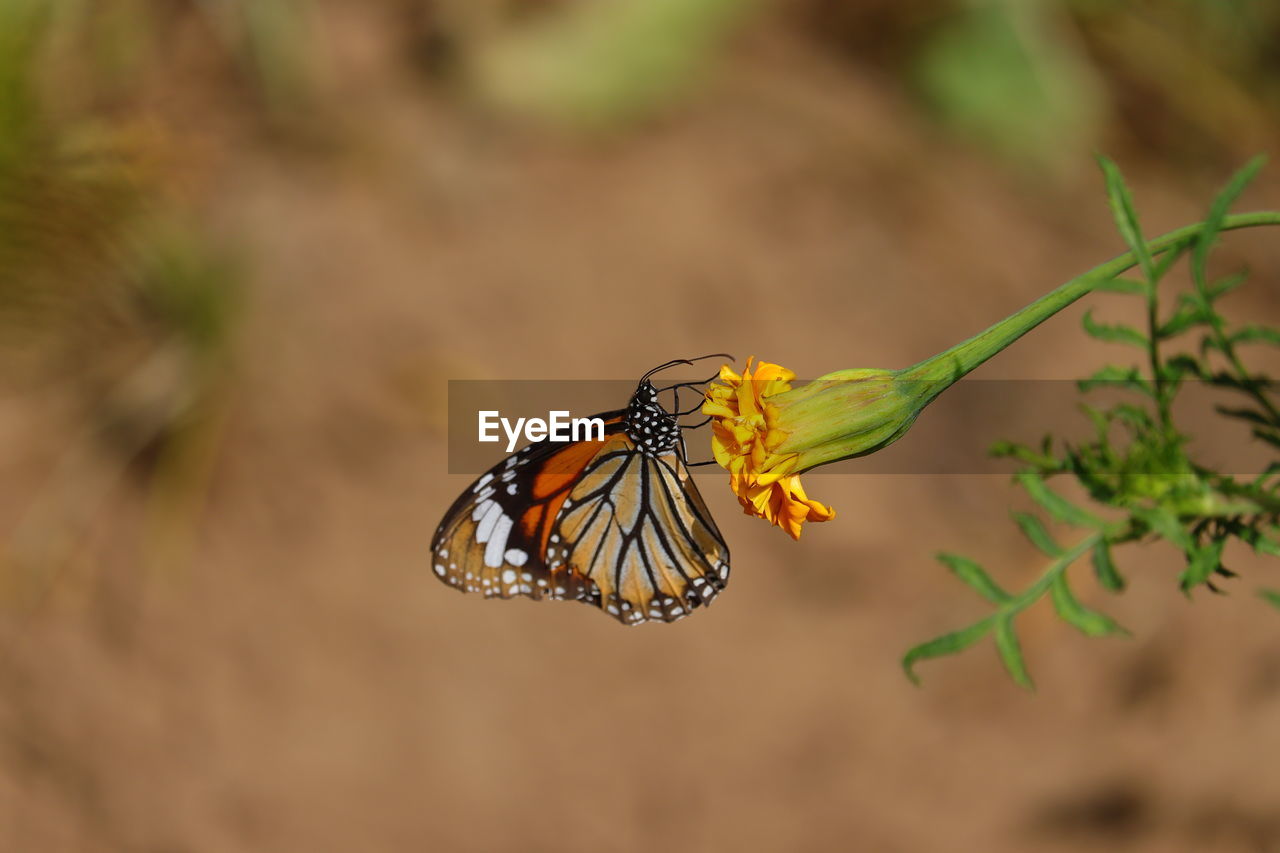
(487,514)
(497,547)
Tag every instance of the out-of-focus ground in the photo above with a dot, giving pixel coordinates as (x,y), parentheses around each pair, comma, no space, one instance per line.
(219,631)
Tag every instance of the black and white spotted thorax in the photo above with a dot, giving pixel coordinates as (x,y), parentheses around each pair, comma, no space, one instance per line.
(649,426)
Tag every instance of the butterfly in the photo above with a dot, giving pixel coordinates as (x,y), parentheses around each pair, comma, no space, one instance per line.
(615,522)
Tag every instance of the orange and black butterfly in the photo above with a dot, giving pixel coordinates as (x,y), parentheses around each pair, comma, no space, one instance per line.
(615,522)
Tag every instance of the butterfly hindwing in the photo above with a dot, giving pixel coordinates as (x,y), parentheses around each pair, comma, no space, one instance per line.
(636,527)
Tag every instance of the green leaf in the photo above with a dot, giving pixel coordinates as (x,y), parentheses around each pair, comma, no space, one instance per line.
(1167,258)
(1255,334)
(1101,420)
(1011,652)
(1089,622)
(1136,416)
(1271,596)
(1126,217)
(1260,542)
(1105,568)
(1251,415)
(1225,285)
(1163,522)
(1180,365)
(1006,449)
(1270,471)
(1034,530)
(1056,505)
(1117,334)
(1184,318)
(1202,562)
(975,576)
(1112,376)
(1213,222)
(947,644)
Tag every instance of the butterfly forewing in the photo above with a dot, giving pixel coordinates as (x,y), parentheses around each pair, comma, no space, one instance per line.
(493,539)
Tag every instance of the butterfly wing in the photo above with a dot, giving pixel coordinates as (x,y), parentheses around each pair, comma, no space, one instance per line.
(599,522)
(636,528)
(494,538)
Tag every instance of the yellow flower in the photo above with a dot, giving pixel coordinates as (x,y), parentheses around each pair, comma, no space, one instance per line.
(745,436)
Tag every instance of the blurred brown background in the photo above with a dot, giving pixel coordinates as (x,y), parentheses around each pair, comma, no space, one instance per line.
(243,247)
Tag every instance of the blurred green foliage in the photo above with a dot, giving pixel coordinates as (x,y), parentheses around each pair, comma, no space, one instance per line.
(596,64)
(1002,73)
(109,293)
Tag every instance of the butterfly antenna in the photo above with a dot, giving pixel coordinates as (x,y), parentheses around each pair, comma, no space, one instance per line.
(676,361)
(690,384)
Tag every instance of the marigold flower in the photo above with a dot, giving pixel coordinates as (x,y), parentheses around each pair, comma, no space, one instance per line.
(744,439)
(765,434)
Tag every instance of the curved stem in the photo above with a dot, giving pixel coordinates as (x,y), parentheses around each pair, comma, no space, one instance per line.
(940,371)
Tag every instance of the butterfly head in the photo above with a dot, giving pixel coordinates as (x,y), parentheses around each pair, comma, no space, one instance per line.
(651,427)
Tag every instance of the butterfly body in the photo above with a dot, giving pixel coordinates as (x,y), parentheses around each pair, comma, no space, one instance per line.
(614,522)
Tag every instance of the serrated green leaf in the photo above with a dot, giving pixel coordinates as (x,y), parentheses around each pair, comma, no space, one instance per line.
(1250,384)
(1035,531)
(1163,522)
(1011,652)
(1126,217)
(1271,470)
(1167,258)
(1089,622)
(1135,416)
(1202,562)
(1184,318)
(1255,334)
(1261,542)
(1251,415)
(1225,285)
(1184,364)
(975,576)
(947,644)
(1112,376)
(1012,449)
(1271,596)
(1213,222)
(1101,420)
(1268,437)
(1055,504)
(1104,568)
(1116,334)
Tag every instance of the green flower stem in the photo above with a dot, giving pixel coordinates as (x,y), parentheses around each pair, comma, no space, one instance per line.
(856,412)
(938,373)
